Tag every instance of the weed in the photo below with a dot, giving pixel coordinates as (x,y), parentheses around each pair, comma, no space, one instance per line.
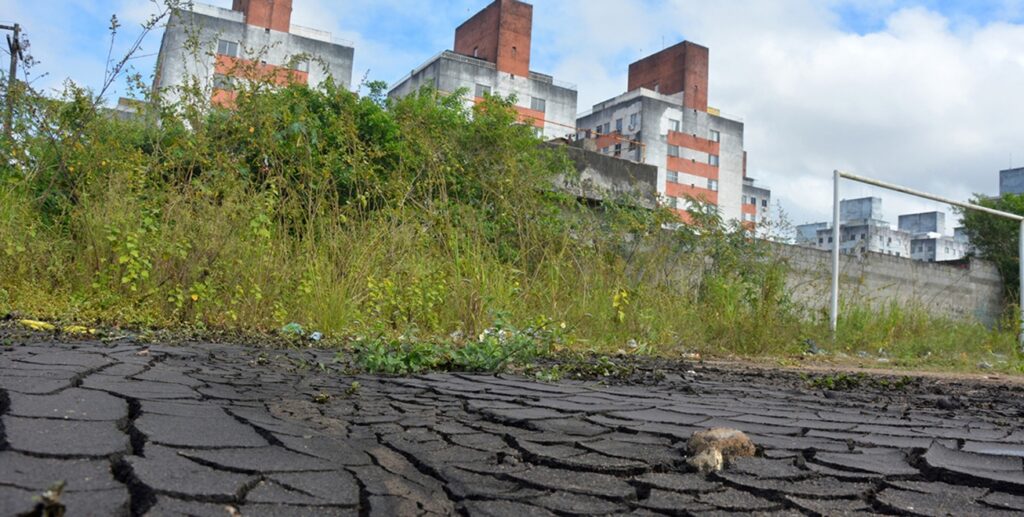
(353,389)
(322,398)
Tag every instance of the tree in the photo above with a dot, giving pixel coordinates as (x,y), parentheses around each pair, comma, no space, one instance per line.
(997,238)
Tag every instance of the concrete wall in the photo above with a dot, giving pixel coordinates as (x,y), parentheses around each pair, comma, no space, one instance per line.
(970,290)
(176,63)
(602,176)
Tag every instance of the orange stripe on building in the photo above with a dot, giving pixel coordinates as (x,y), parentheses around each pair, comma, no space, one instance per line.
(524,115)
(693,142)
(253,71)
(224,98)
(688,166)
(680,190)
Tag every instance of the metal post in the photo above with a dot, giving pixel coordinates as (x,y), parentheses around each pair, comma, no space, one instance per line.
(834,322)
(14,44)
(1020,285)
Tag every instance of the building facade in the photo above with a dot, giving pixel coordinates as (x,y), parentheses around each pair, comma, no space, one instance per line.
(756,202)
(929,241)
(254,40)
(491,56)
(863,230)
(1011,181)
(664,120)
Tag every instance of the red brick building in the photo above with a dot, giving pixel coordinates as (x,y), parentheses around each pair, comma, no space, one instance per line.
(491,55)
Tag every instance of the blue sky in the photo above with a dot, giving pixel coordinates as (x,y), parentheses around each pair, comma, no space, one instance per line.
(924,93)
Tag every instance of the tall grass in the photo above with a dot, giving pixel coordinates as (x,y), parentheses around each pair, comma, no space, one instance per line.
(357,216)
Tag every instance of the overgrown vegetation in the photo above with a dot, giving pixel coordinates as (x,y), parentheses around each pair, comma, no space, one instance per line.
(424,230)
(997,238)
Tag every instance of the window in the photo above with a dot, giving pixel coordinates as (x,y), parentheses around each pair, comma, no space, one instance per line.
(632,120)
(618,149)
(673,177)
(607,127)
(745,200)
(713,185)
(597,130)
(618,125)
(515,52)
(764,204)
(713,160)
(227,48)
(222,82)
(753,200)
(673,125)
(830,240)
(714,136)
(821,240)
(476,51)
(538,105)
(482,90)
(673,150)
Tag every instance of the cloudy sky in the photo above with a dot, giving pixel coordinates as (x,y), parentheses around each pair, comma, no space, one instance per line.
(926,93)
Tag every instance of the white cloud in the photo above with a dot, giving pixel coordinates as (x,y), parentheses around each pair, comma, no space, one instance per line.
(925,100)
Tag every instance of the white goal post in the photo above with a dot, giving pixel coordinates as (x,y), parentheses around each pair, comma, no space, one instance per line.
(838,175)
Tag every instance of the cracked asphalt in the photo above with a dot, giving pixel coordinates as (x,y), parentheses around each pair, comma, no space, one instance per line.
(203,429)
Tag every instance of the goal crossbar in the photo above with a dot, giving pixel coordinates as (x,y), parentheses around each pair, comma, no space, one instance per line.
(839,175)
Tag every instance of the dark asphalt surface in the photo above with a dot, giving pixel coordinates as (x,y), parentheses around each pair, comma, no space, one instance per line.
(221,430)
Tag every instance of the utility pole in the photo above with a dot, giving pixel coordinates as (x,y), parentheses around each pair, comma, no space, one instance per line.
(14,44)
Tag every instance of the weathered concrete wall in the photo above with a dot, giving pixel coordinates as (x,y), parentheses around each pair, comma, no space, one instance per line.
(968,290)
(602,176)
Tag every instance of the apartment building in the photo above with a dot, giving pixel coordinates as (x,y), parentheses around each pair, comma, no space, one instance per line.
(254,40)
(491,55)
(664,120)
(929,241)
(920,236)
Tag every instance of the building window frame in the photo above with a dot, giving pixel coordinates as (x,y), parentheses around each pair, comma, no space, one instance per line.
(713,160)
(538,104)
(714,135)
(227,48)
(482,90)
(673,151)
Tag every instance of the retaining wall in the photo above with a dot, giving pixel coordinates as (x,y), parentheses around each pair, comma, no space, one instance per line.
(968,289)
